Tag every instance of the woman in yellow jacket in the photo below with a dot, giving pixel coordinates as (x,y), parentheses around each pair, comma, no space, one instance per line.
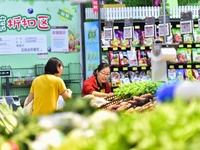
(46,89)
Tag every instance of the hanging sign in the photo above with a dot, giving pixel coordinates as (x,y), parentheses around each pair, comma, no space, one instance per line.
(95,6)
(186,23)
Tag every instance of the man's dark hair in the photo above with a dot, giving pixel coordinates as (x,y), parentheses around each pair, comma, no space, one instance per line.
(51,66)
(101,67)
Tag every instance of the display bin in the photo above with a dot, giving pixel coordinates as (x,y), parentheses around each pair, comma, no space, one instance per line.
(74,78)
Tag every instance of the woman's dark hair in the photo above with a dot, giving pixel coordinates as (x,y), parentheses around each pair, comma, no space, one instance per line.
(100,67)
(51,66)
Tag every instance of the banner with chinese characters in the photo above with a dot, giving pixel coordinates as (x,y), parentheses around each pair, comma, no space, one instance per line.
(30,18)
(95,6)
(92,58)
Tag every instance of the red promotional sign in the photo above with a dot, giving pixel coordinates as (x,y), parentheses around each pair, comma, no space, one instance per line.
(95,6)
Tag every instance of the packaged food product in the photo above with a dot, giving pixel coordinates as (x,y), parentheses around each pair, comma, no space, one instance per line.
(181,55)
(179,74)
(176,35)
(124,78)
(114,58)
(104,42)
(105,58)
(188,53)
(171,74)
(196,34)
(117,39)
(132,56)
(196,55)
(143,75)
(136,38)
(196,73)
(188,39)
(125,58)
(188,73)
(142,58)
(148,52)
(115,79)
(121,61)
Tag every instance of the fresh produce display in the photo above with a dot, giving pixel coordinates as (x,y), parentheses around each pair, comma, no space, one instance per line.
(137,88)
(173,125)
(170,126)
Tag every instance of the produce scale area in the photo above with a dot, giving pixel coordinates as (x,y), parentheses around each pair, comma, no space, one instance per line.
(154,74)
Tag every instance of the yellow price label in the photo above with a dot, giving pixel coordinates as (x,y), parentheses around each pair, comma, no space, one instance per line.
(197,45)
(189,46)
(196,25)
(142,47)
(150,67)
(134,68)
(133,48)
(105,48)
(197,66)
(115,69)
(123,48)
(125,68)
(144,68)
(181,45)
(150,47)
(157,27)
(178,25)
(115,48)
(116,27)
(137,27)
(180,66)
(104,28)
(171,66)
(189,66)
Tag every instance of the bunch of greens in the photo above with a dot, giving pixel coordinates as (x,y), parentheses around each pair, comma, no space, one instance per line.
(17,127)
(137,88)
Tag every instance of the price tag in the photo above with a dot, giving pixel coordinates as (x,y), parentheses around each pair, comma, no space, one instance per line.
(196,25)
(178,25)
(180,66)
(197,45)
(143,68)
(116,27)
(171,66)
(123,48)
(189,46)
(150,47)
(115,48)
(181,45)
(137,27)
(189,66)
(115,69)
(142,47)
(134,68)
(151,68)
(197,66)
(105,48)
(133,48)
(125,68)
